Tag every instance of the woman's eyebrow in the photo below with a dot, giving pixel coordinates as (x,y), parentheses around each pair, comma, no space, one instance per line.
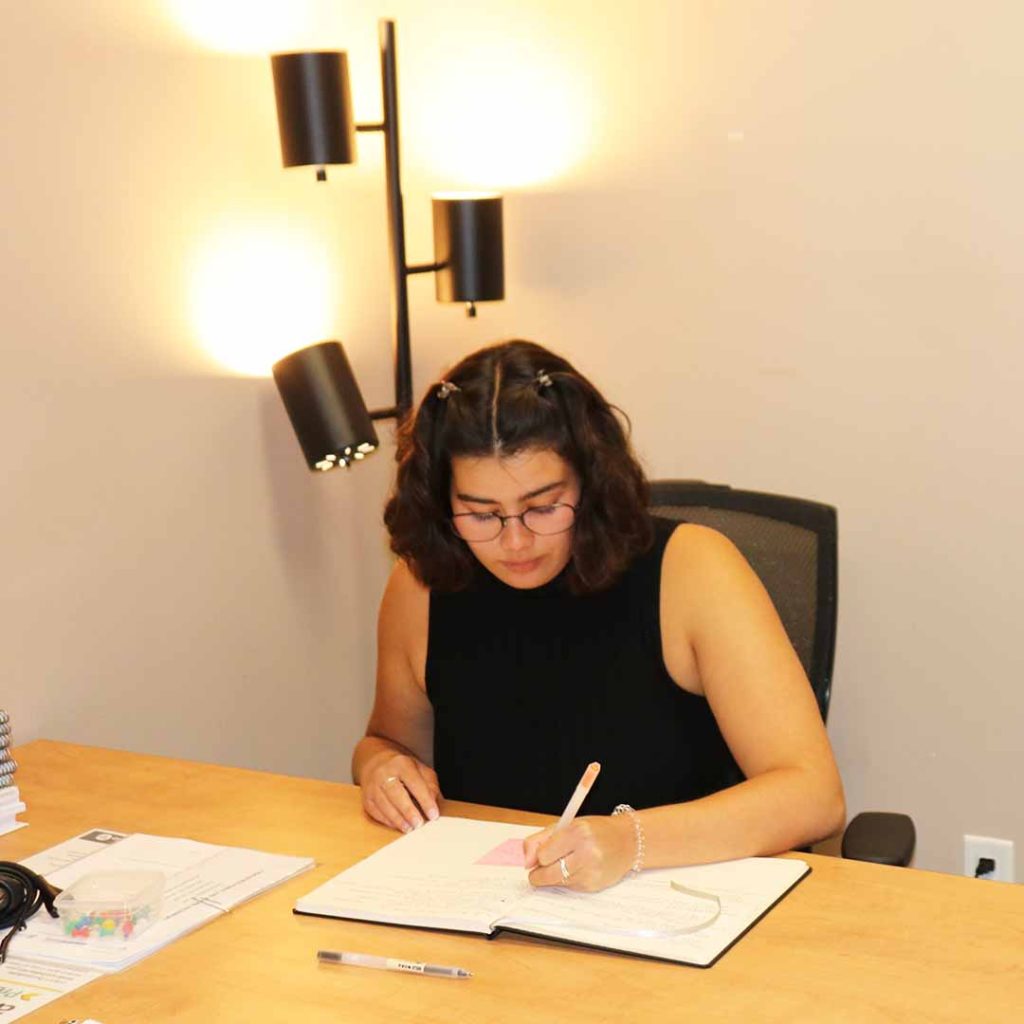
(523,497)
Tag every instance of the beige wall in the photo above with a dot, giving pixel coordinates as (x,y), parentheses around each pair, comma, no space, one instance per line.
(785,237)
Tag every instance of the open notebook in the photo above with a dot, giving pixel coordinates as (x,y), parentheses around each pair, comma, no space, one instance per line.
(462,875)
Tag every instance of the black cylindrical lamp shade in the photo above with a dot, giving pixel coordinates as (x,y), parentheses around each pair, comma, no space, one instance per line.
(314,108)
(469,248)
(325,406)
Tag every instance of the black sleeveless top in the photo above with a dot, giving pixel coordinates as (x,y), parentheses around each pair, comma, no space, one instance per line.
(529,686)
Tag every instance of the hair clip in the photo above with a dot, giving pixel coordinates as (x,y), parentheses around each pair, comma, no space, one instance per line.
(446,388)
(543,379)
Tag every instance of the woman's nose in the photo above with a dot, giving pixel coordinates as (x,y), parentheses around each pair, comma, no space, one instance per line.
(515,536)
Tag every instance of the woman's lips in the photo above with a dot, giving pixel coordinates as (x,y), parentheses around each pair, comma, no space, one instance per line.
(522,567)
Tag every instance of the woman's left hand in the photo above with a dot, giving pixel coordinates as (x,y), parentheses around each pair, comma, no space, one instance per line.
(596,852)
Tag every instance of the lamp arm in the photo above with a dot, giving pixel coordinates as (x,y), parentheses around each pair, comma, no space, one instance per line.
(396,220)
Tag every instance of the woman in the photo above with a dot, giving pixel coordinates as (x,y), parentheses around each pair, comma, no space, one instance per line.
(539,619)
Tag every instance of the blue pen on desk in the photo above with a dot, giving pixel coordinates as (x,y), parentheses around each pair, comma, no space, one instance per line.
(386,963)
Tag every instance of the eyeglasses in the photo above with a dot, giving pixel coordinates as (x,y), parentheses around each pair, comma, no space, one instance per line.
(543,520)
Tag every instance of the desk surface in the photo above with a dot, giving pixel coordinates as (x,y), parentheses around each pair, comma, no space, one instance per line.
(853,942)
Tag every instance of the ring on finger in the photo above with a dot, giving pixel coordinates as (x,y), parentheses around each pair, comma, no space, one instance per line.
(564,868)
(390,779)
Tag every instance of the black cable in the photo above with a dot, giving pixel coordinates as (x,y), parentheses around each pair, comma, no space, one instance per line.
(22,893)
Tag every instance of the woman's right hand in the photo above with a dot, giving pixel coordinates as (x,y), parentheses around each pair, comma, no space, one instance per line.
(399,790)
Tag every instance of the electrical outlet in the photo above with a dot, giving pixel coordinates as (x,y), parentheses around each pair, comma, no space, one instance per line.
(999,850)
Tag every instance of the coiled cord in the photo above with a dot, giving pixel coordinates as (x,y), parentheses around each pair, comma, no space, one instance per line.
(22,893)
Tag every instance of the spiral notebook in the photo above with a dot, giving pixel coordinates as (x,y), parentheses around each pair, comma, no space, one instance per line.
(457,874)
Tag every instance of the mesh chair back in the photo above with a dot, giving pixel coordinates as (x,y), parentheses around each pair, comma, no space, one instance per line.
(791,545)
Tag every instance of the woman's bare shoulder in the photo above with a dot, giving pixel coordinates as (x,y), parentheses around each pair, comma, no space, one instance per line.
(404,588)
(703,572)
(403,583)
(708,593)
(403,623)
(695,548)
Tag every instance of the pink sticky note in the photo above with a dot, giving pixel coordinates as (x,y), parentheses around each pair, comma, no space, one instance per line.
(508,854)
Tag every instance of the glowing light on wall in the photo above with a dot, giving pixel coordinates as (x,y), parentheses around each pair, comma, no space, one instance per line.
(501,118)
(258,293)
(244,26)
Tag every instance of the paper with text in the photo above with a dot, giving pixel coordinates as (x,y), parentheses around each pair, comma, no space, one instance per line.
(27,984)
(202,882)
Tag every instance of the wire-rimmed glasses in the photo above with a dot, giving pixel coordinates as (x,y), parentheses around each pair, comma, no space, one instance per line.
(543,520)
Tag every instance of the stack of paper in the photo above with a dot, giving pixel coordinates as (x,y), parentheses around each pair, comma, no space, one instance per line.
(202,881)
(11,804)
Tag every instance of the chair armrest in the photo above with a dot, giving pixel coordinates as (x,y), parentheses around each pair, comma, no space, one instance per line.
(881,838)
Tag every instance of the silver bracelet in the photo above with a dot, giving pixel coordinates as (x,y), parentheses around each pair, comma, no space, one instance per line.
(638,831)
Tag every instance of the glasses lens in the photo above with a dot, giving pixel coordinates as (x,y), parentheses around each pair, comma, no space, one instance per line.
(477,525)
(549,518)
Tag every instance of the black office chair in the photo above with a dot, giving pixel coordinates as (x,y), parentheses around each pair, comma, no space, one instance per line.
(791,545)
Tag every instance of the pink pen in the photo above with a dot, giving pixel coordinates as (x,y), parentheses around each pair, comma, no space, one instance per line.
(579,794)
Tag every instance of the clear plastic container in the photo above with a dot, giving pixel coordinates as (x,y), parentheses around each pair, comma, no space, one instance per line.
(110,904)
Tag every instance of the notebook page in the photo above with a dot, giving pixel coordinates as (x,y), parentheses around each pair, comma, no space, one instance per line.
(746,890)
(437,876)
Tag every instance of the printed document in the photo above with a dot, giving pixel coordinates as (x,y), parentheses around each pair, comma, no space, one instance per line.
(202,881)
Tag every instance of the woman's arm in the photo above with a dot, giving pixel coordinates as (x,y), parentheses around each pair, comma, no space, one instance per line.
(722,638)
(391,762)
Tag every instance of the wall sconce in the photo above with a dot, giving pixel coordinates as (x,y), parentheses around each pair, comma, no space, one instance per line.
(314,113)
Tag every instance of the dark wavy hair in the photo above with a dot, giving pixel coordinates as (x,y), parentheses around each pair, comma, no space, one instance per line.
(509,398)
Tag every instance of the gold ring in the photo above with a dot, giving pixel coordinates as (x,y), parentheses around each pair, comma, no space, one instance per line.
(390,779)
(564,868)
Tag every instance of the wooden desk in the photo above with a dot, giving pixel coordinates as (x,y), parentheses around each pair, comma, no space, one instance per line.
(853,942)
